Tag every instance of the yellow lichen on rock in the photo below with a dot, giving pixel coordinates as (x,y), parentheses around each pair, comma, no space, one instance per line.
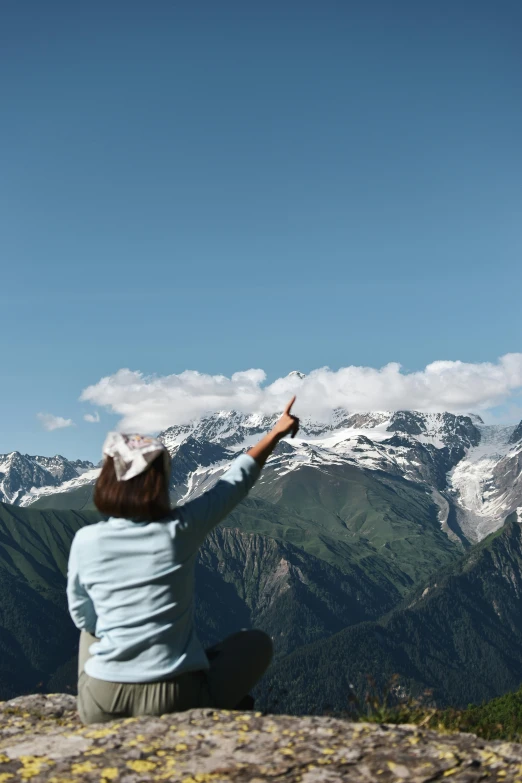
(84,766)
(110,773)
(140,765)
(202,746)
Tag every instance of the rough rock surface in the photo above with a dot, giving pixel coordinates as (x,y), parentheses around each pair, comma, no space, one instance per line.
(41,739)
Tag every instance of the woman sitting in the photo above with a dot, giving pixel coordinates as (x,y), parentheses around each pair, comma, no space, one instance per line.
(130,588)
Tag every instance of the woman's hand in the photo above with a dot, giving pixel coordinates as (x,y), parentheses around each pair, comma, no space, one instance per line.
(287,423)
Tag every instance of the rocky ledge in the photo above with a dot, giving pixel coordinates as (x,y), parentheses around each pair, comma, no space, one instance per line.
(41,739)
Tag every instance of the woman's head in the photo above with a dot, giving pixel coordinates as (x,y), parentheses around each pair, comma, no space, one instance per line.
(134,480)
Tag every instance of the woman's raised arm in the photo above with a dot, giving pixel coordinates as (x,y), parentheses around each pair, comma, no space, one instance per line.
(287,424)
(200,515)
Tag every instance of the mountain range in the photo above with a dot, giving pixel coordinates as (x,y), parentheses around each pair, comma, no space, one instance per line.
(23,477)
(472,470)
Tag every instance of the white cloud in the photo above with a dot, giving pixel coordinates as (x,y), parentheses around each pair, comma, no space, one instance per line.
(93,418)
(151,403)
(50,422)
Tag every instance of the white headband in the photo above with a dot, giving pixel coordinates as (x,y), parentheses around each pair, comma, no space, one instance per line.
(132,454)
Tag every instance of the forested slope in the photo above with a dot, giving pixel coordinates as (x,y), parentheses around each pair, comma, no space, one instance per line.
(459,636)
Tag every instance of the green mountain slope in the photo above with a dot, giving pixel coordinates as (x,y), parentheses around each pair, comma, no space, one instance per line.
(79,499)
(460,636)
(36,633)
(273,585)
(364,513)
(383,525)
(35,544)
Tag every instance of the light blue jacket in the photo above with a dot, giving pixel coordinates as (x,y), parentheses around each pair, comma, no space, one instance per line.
(132,584)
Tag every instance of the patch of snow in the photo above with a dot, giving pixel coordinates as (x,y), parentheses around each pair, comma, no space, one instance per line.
(483,506)
(88,477)
(432,440)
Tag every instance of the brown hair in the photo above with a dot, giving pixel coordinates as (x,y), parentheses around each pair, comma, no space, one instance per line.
(143,498)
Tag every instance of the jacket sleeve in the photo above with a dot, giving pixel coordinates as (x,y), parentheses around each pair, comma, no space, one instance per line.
(81,607)
(200,515)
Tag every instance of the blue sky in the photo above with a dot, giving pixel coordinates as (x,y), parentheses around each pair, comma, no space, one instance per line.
(218,186)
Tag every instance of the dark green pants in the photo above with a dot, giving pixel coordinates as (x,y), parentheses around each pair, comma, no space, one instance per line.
(236,664)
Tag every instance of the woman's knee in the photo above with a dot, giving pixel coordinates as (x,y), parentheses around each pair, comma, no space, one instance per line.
(88,710)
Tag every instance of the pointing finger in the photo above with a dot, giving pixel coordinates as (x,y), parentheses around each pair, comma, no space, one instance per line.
(289,406)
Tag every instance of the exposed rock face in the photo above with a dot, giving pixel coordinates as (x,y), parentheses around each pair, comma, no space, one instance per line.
(293,596)
(187,457)
(41,739)
(516,437)
(454,431)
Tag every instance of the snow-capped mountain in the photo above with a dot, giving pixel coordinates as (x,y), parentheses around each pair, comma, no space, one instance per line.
(232,429)
(420,447)
(472,470)
(20,474)
(229,429)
